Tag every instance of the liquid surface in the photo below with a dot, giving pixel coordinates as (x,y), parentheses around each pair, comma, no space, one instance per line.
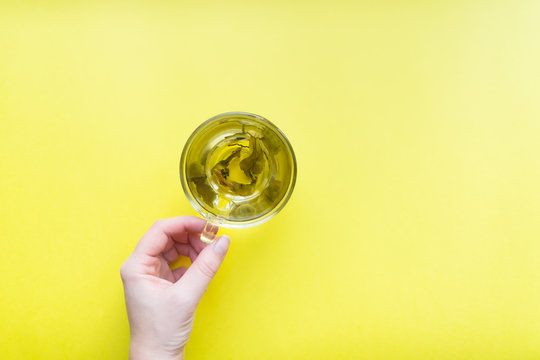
(239,171)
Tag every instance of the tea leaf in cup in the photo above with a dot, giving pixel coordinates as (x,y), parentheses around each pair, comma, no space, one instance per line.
(206,192)
(271,141)
(244,211)
(254,163)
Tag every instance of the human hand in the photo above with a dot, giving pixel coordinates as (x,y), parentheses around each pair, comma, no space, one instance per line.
(161,302)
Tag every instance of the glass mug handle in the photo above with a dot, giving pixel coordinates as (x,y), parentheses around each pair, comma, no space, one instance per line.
(210,229)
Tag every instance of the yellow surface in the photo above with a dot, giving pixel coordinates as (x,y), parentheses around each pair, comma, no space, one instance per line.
(413,232)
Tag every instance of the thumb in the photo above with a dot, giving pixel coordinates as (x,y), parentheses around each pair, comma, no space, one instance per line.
(198,276)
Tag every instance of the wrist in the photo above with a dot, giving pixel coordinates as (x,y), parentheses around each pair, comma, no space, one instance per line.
(138,351)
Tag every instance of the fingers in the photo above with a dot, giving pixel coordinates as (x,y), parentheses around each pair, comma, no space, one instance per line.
(162,233)
(196,242)
(196,279)
(188,251)
(178,272)
(180,249)
(171,255)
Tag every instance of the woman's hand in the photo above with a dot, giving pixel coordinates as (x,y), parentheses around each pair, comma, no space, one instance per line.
(161,302)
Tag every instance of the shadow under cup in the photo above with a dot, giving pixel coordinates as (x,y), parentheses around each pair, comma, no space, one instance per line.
(237,170)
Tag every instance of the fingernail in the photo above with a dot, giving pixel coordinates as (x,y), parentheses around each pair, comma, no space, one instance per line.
(222,244)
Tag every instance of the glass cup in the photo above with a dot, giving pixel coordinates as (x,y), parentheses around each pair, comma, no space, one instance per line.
(237,170)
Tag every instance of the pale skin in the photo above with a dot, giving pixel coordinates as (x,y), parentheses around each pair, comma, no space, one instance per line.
(161,302)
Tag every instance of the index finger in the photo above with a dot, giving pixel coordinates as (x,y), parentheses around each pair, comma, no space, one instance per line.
(163,232)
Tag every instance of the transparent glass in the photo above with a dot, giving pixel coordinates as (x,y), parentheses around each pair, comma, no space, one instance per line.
(237,170)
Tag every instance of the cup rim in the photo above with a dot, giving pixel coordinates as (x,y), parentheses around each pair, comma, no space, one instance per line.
(225,222)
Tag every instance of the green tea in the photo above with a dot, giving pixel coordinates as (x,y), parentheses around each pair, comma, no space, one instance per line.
(239,170)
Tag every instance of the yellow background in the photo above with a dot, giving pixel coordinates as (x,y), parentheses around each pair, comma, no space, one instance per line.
(413,232)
